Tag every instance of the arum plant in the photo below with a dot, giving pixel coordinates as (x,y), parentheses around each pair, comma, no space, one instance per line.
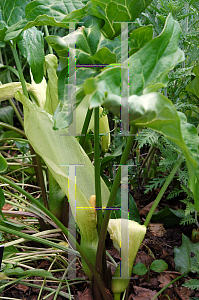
(51,110)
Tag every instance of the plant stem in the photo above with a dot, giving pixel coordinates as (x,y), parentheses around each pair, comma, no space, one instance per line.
(112,197)
(16,112)
(12,128)
(47,34)
(162,191)
(105,293)
(146,158)
(85,127)
(41,179)
(19,69)
(97,169)
(166,286)
(117,296)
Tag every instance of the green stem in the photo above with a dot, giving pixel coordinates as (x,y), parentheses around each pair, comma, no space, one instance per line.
(47,34)
(85,127)
(112,197)
(146,159)
(104,291)
(97,168)
(19,69)
(117,296)
(41,180)
(162,191)
(12,128)
(16,112)
(166,286)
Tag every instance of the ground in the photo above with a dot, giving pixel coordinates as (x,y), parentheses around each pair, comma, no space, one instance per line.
(159,243)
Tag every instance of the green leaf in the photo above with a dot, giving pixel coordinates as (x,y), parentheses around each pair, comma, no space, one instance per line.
(158,113)
(57,10)
(2,197)
(90,44)
(13,11)
(9,252)
(133,210)
(139,38)
(3,164)
(19,272)
(31,45)
(192,284)
(11,225)
(168,216)
(182,255)
(148,68)
(83,73)
(159,265)
(10,134)
(15,30)
(140,269)
(111,11)
(193,86)
(23,146)
(7,90)
(105,56)
(6,114)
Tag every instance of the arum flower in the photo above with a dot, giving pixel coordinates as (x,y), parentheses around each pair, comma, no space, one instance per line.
(132,233)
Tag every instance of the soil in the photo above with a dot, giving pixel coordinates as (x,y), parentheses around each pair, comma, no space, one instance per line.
(159,243)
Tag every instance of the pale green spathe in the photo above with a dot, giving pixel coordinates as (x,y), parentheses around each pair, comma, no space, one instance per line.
(135,235)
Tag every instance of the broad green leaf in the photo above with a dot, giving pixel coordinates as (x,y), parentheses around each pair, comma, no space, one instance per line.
(3,164)
(168,216)
(51,64)
(110,11)
(13,11)
(159,265)
(133,210)
(10,134)
(152,63)
(9,251)
(89,42)
(32,272)
(15,30)
(58,9)
(59,150)
(158,113)
(8,90)
(148,68)
(193,86)
(31,45)
(139,37)
(23,146)
(105,56)
(83,73)
(6,114)
(2,197)
(140,269)
(182,255)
